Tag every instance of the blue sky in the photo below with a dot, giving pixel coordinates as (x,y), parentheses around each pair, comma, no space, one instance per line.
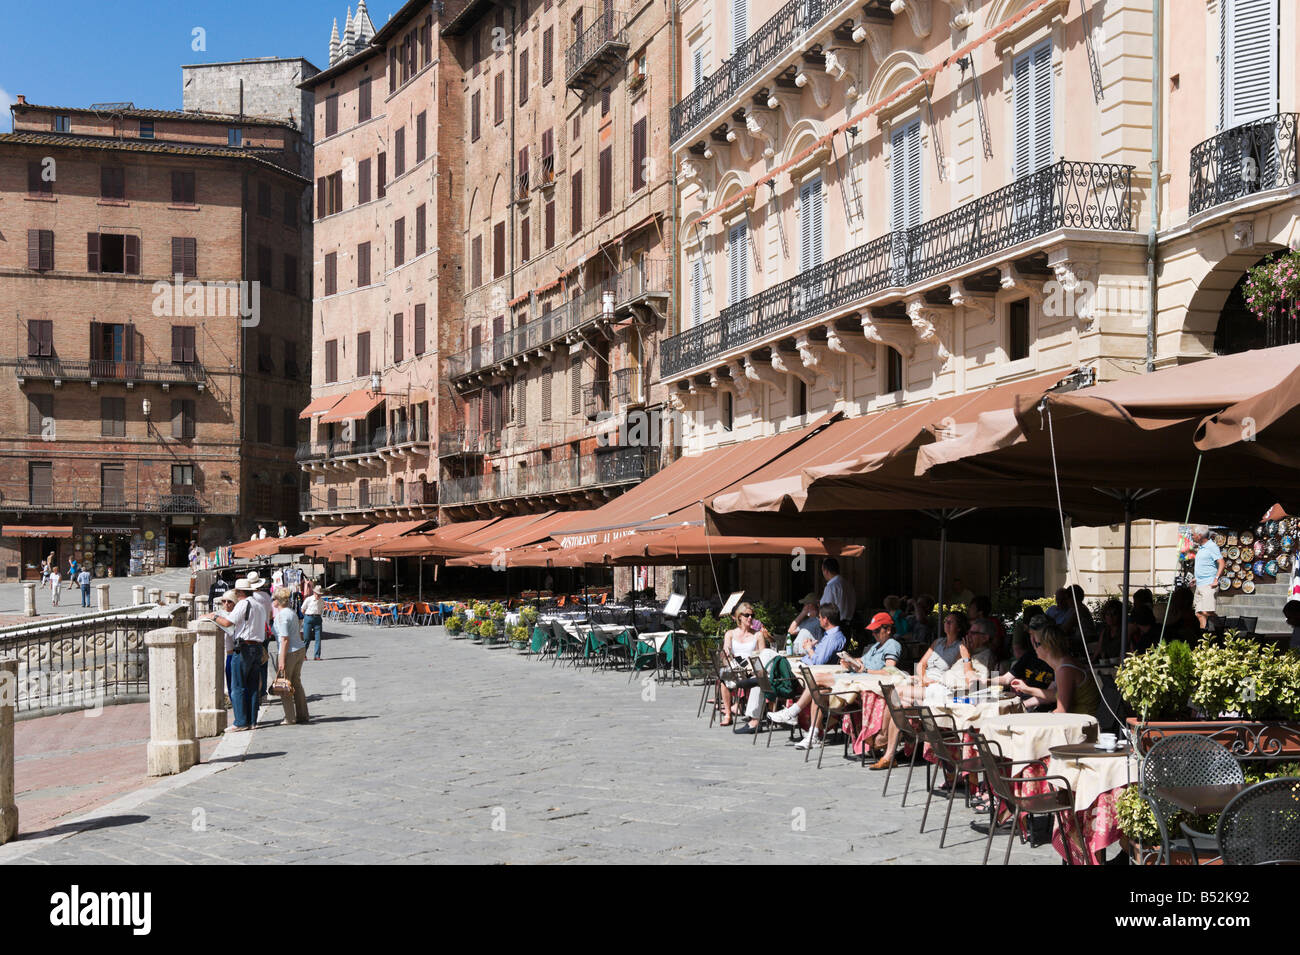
(78,52)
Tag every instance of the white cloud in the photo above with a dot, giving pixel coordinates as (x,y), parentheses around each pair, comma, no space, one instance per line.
(5,102)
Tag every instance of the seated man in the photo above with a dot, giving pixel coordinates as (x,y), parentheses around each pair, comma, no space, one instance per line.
(823,651)
(805,629)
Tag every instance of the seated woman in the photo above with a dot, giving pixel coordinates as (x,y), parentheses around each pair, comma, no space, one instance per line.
(1027,666)
(949,652)
(981,608)
(1073,688)
(741,642)
(1106,646)
(1183,624)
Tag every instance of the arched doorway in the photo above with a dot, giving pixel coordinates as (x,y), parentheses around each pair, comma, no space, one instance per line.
(1239,329)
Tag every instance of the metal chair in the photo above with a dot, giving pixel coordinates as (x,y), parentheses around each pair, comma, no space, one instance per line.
(999,775)
(903,717)
(942,739)
(828,708)
(770,696)
(1261,826)
(1185,760)
(711,680)
(737,680)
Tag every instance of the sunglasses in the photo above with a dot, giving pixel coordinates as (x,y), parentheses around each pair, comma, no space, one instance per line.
(745,615)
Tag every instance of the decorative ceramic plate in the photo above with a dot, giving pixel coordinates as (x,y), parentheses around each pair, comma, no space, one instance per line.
(1257,567)
(1232,539)
(1233,553)
(1225,582)
(1247,538)
(1271,528)
(1236,583)
(1271,568)
(1284,561)
(1288,542)
(1248,587)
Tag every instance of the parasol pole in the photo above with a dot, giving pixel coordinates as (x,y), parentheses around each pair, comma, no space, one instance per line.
(420,586)
(1129,501)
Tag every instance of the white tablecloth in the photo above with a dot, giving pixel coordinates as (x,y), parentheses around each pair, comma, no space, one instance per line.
(1090,776)
(1025,736)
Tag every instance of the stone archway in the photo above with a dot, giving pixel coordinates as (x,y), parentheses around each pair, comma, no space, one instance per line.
(1218,298)
(1239,329)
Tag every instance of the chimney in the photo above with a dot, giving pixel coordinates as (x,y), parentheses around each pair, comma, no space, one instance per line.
(22,100)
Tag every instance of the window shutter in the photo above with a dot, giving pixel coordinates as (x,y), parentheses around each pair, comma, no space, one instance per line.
(33,340)
(474,114)
(178,418)
(525,241)
(550,224)
(738,271)
(810,224)
(638,154)
(96,341)
(128,345)
(498,250)
(381,181)
(905,174)
(421,136)
(131,251)
(399,351)
(476,262)
(739,23)
(47,250)
(178,256)
(363,100)
(399,242)
(363,264)
(1032,109)
(575,386)
(548,47)
(499,99)
(34,248)
(606,180)
(697,291)
(178,343)
(39,407)
(363,354)
(575,192)
(419,329)
(546,395)
(322,197)
(363,181)
(1250,78)
(34,183)
(399,152)
(697,64)
(331,273)
(523,77)
(1042,106)
(92,251)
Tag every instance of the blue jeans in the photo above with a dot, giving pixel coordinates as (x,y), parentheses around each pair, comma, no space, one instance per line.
(246,671)
(311,626)
(85,595)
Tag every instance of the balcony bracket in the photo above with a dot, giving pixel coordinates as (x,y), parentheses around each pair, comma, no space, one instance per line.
(839,65)
(810,76)
(896,335)
(764,373)
(1073,293)
(843,343)
(918,12)
(980,305)
(878,37)
(741,142)
(763,127)
(719,382)
(1015,280)
(812,355)
(932,324)
(788,363)
(739,379)
(787,103)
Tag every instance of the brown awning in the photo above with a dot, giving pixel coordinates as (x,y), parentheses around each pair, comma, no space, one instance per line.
(360,543)
(1266,424)
(440,542)
(681,486)
(320,405)
(318,548)
(36,530)
(1141,432)
(356,404)
(694,544)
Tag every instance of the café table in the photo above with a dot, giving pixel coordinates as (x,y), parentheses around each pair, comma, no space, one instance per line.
(1026,736)
(1097,778)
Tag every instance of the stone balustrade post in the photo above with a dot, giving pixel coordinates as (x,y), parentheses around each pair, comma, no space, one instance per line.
(187,601)
(200,605)
(102,601)
(8,703)
(137,594)
(209,680)
(154,595)
(172,597)
(173,747)
(180,617)
(29,598)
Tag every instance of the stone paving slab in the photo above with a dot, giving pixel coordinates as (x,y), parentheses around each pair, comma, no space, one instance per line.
(428,749)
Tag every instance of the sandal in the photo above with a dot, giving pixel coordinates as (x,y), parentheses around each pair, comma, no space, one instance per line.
(727,722)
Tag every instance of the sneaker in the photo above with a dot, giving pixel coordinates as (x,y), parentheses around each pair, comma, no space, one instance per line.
(786,717)
(808,742)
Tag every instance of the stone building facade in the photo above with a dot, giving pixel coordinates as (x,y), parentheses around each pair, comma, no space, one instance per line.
(568,228)
(155,266)
(869,220)
(388,266)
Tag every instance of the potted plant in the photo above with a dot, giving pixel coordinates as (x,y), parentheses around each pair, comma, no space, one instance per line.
(455,624)
(636,81)
(1156,684)
(487,630)
(519,636)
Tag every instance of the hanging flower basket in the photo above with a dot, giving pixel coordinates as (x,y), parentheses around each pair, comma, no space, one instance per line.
(1274,286)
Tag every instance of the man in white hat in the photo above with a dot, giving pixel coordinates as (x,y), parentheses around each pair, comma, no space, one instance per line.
(248,631)
(263,596)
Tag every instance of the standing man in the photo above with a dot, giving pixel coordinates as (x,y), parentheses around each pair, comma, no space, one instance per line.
(248,624)
(257,587)
(838,591)
(282,531)
(83,580)
(1209,568)
(261,532)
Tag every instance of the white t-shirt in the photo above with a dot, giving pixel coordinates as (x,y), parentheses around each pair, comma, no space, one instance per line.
(311,606)
(249,618)
(840,592)
(288,627)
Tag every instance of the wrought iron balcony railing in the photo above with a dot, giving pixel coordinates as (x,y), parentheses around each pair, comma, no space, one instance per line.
(598,45)
(595,399)
(72,496)
(468,441)
(1074,195)
(98,370)
(618,466)
(767,45)
(1246,159)
(626,385)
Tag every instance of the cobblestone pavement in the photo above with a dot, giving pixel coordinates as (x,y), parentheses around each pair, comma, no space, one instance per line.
(119,595)
(427,749)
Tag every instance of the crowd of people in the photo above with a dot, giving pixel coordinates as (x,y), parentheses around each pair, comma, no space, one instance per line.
(267,637)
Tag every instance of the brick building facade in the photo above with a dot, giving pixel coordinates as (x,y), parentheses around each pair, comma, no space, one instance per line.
(140,415)
(568,231)
(388,151)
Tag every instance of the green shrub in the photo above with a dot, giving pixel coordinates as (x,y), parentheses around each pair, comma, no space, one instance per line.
(1156,684)
(455,624)
(529,616)
(1136,820)
(1238,675)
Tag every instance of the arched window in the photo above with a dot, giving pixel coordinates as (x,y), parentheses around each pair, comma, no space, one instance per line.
(1239,329)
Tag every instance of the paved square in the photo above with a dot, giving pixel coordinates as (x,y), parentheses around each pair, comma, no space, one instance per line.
(428,749)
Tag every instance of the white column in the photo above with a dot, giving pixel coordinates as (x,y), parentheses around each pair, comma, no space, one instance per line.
(187,601)
(173,747)
(137,594)
(29,598)
(209,680)
(8,703)
(154,595)
(201,605)
(101,597)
